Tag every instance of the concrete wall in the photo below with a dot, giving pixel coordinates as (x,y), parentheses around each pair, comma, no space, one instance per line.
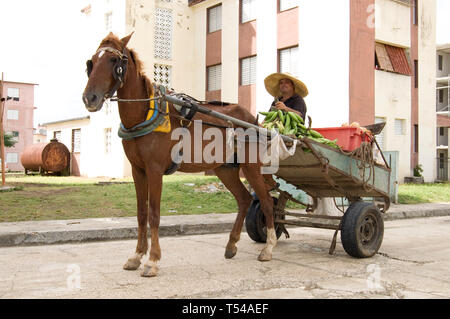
(427,88)
(392,21)
(393,101)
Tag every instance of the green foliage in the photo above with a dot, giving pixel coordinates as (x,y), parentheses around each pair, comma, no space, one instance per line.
(418,170)
(9,140)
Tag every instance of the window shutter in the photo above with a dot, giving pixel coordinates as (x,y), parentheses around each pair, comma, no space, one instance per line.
(12,158)
(289,61)
(399,127)
(76,140)
(248,10)
(383,57)
(215,18)
(248,71)
(214,77)
(398,59)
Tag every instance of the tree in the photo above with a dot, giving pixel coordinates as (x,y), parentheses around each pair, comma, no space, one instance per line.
(9,140)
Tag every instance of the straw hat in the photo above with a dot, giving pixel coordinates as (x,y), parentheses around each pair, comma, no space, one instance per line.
(272,84)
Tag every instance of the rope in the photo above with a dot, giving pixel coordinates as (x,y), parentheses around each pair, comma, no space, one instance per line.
(364,159)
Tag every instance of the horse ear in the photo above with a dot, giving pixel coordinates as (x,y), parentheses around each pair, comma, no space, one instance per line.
(126,39)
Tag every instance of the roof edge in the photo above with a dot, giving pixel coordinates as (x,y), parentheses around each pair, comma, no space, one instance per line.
(67,120)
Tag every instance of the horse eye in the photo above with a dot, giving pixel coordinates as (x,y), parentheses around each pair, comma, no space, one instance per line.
(114,60)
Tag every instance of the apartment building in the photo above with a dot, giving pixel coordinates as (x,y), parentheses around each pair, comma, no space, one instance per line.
(18,120)
(362,60)
(443,111)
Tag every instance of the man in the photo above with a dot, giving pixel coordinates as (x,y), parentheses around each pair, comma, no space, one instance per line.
(288,92)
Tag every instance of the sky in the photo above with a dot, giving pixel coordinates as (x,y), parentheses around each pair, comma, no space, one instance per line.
(43,43)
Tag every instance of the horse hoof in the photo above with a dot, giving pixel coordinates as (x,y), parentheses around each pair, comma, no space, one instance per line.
(265,256)
(149,271)
(132,264)
(230,253)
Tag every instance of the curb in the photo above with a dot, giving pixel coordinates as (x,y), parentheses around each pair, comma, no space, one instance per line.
(91,235)
(206,224)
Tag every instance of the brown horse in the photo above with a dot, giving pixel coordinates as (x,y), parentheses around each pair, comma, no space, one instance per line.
(114,67)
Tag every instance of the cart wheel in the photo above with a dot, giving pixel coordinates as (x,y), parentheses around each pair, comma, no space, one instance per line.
(362,230)
(255,222)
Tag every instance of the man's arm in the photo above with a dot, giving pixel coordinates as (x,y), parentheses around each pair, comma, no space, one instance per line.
(283,107)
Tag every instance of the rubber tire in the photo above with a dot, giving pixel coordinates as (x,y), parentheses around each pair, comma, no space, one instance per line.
(255,222)
(357,213)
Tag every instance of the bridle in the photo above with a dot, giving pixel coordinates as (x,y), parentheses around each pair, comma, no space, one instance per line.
(119,69)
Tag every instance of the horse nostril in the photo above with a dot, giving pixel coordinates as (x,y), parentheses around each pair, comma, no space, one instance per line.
(93,98)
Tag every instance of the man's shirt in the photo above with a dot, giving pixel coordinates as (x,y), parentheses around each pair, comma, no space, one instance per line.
(295,102)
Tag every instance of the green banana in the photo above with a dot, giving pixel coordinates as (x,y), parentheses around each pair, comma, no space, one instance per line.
(287,120)
(271,116)
(315,134)
(281,115)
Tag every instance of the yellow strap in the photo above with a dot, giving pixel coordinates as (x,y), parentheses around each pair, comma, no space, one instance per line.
(165,126)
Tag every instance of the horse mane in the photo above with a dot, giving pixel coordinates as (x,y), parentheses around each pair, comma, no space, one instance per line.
(112,40)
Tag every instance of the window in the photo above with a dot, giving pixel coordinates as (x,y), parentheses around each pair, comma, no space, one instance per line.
(214,77)
(288,61)
(12,158)
(163,33)
(392,59)
(76,140)
(415,12)
(162,74)
(13,92)
(399,127)
(440,62)
(441,96)
(248,71)
(215,18)
(380,137)
(416,138)
(288,4)
(248,10)
(57,135)
(108,21)
(12,115)
(441,131)
(416,74)
(107,140)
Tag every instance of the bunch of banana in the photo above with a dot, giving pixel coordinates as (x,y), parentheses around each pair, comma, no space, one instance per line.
(290,123)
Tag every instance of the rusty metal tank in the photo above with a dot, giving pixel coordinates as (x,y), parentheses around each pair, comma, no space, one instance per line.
(48,157)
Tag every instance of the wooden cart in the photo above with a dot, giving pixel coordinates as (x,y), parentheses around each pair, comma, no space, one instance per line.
(322,171)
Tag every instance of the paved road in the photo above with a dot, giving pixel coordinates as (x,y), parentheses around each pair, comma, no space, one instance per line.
(413,263)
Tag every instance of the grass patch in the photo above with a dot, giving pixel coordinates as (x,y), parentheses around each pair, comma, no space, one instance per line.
(48,197)
(423,193)
(44,198)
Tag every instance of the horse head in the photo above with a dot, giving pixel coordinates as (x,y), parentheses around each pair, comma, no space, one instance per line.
(106,71)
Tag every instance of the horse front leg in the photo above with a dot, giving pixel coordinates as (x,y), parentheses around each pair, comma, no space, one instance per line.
(154,192)
(140,184)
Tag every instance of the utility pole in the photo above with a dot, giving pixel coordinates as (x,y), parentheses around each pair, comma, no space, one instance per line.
(2,138)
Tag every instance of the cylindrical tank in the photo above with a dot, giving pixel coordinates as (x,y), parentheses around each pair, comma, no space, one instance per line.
(51,157)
